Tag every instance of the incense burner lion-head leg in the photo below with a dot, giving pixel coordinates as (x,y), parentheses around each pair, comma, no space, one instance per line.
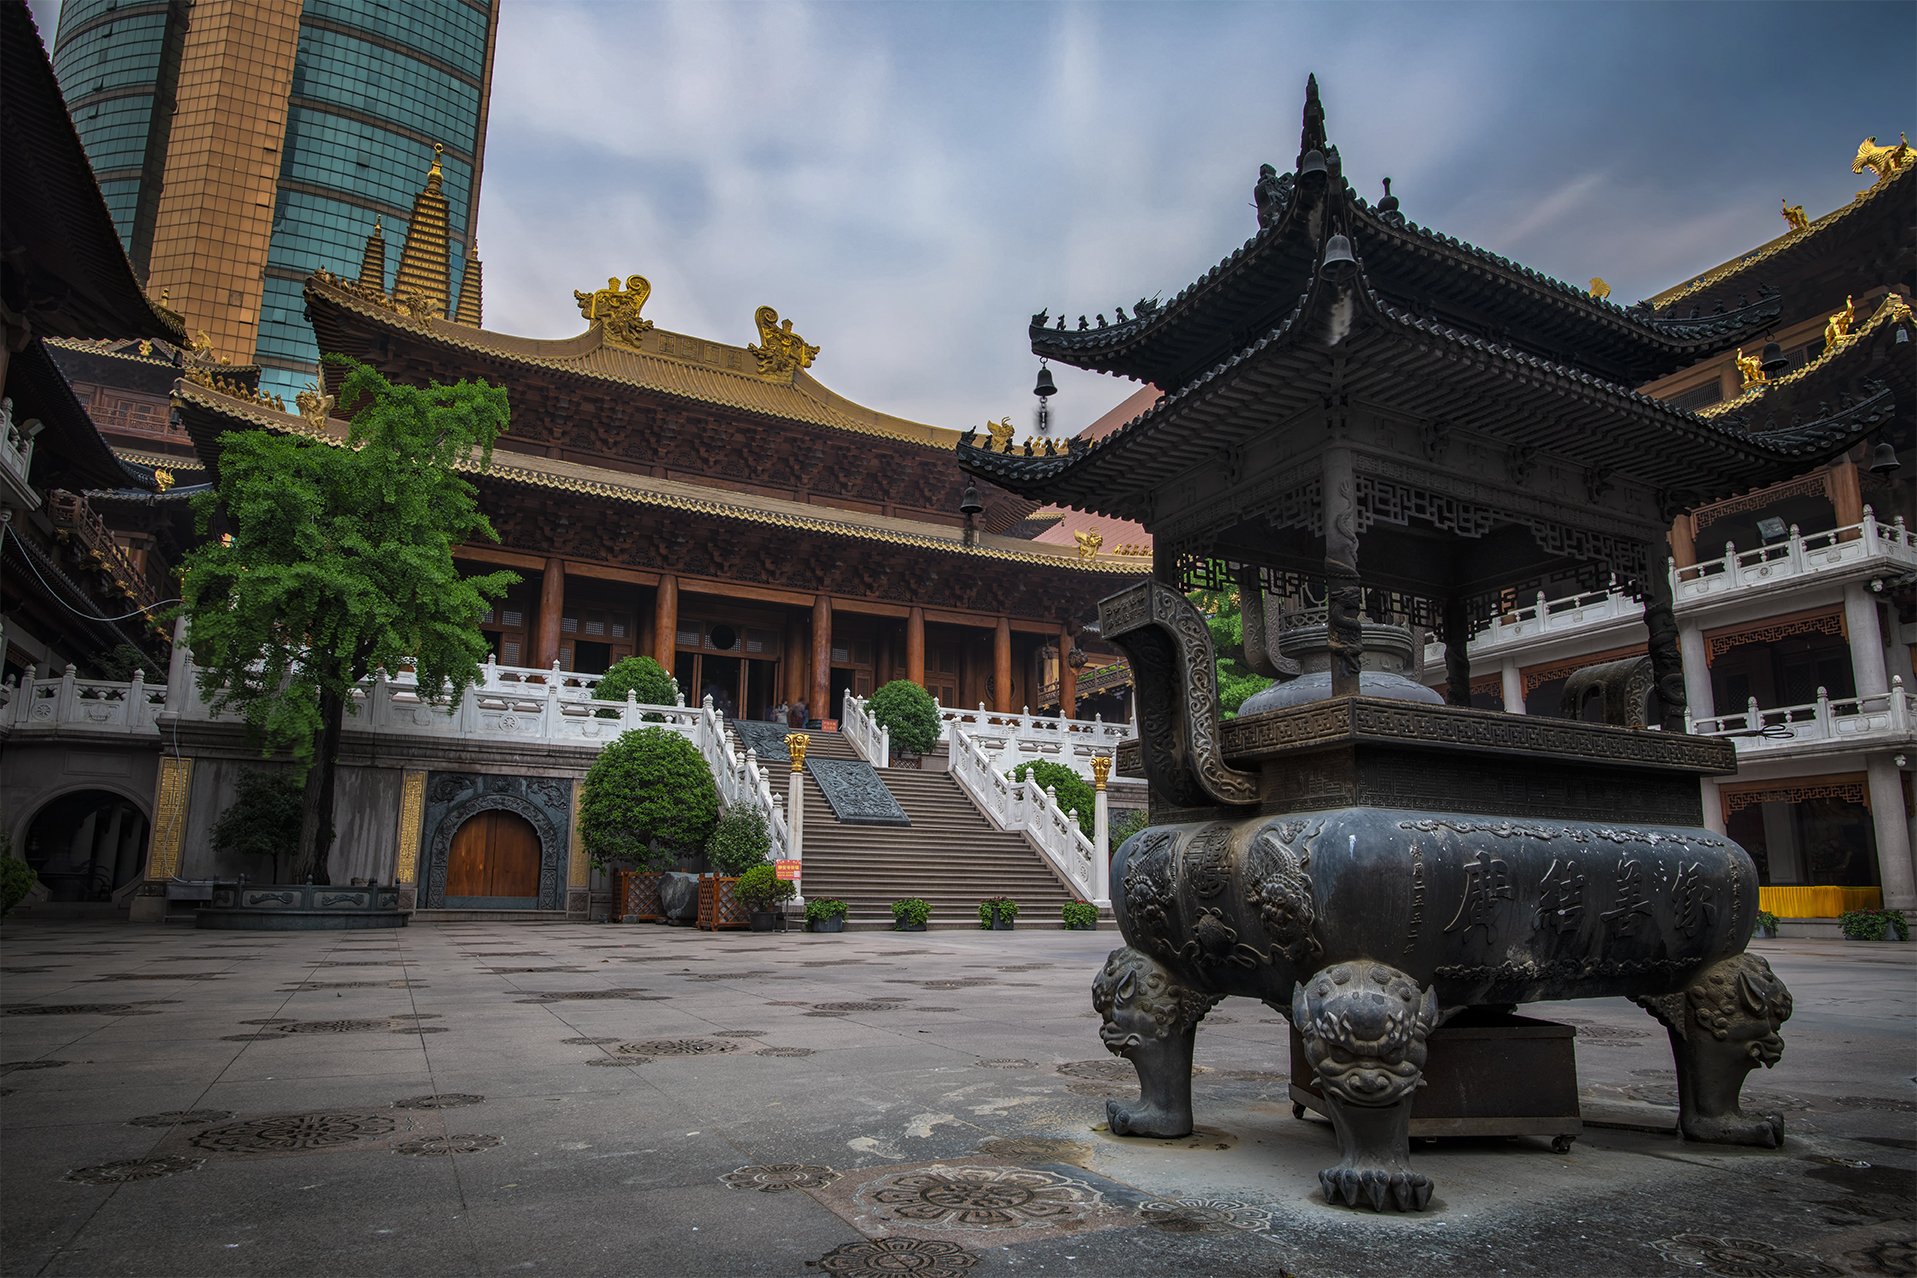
(1723,1026)
(1151,1019)
(1364,1026)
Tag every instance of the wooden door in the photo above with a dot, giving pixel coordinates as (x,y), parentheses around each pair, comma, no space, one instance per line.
(494,855)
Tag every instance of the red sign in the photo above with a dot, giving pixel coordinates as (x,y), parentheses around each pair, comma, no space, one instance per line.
(788,870)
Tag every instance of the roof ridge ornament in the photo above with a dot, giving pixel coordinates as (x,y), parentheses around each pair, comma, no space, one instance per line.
(616,311)
(1312,135)
(784,352)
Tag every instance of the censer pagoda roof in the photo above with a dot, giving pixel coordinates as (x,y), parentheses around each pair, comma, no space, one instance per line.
(1358,346)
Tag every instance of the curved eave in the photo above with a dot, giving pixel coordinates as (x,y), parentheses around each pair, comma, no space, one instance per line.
(1107,475)
(803,399)
(208,413)
(1275,264)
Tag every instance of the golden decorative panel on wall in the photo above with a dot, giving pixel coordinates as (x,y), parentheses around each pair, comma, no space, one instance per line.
(169,816)
(412,809)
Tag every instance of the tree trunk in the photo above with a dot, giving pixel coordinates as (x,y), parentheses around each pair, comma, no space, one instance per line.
(316,816)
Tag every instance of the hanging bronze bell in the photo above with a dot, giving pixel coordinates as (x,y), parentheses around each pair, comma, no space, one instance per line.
(1774,360)
(1045,387)
(1883,459)
(1339,264)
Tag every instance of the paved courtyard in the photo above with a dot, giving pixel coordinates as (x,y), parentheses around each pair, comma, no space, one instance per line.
(466,1099)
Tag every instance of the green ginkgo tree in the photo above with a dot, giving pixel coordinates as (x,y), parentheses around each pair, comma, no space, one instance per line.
(334,560)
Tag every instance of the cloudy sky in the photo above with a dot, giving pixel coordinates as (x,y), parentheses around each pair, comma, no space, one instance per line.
(910,181)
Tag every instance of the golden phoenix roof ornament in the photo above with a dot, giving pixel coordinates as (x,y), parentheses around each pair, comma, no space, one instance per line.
(783,351)
(1599,289)
(1884,161)
(1001,435)
(1088,541)
(618,312)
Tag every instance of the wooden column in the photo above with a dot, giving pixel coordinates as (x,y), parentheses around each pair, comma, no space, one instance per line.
(822,660)
(552,602)
(1067,677)
(1342,589)
(665,622)
(1684,541)
(1840,481)
(795,645)
(1002,667)
(915,646)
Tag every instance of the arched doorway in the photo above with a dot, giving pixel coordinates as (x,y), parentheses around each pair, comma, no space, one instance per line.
(494,863)
(85,844)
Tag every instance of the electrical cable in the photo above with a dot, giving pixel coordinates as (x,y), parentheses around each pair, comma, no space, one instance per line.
(138,612)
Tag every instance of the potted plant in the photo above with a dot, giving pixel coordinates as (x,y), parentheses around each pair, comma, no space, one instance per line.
(1873,925)
(1767,925)
(997,912)
(825,914)
(908,712)
(759,889)
(910,914)
(1080,916)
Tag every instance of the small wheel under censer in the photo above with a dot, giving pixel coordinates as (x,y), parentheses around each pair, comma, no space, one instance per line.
(1561,1144)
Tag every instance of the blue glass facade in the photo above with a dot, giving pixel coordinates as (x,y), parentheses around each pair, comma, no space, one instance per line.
(374,86)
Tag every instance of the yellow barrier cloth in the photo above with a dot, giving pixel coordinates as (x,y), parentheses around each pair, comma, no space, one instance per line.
(1818,902)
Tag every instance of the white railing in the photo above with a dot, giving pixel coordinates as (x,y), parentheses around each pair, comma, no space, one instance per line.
(1544,619)
(741,778)
(16,456)
(94,705)
(1028,738)
(874,743)
(1867,722)
(1027,807)
(1840,550)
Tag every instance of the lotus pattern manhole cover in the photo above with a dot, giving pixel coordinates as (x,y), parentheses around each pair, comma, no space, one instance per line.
(620,1060)
(1741,1258)
(983,1198)
(1113,1070)
(587,1042)
(779,1177)
(126,1170)
(677,1047)
(69,1009)
(284,1133)
(443,1100)
(1219,1020)
(8,1067)
(589,996)
(887,1006)
(336,1027)
(1006,1063)
(471,1144)
(783,1051)
(181,1118)
(890,1257)
(740,1033)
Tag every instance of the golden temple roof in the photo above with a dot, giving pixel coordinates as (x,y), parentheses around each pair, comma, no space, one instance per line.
(686,367)
(613,485)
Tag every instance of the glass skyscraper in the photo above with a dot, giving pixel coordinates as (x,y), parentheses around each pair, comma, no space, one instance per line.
(242,144)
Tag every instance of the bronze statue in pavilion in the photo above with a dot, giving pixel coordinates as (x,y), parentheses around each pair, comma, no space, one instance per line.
(1379,427)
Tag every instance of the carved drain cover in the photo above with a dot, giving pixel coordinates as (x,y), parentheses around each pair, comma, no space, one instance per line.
(677,1047)
(740,1033)
(1117,1070)
(779,1177)
(919,1257)
(69,1009)
(981,1198)
(448,1144)
(620,1060)
(587,1042)
(126,1170)
(7,1067)
(181,1118)
(1006,1064)
(355,985)
(585,996)
(783,1051)
(335,1027)
(444,1100)
(286,1133)
(1206,1216)
(887,1006)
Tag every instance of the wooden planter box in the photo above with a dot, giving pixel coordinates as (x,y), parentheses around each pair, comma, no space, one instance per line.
(719,905)
(635,896)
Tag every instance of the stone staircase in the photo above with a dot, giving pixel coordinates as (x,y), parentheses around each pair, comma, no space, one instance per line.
(951,855)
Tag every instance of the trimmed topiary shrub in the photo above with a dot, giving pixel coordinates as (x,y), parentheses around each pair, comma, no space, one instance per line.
(760,887)
(648,799)
(647,680)
(264,817)
(738,843)
(1074,791)
(910,713)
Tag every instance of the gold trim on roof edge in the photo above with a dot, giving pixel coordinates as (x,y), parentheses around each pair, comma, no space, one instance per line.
(1764,252)
(678,495)
(654,364)
(1889,309)
(174,464)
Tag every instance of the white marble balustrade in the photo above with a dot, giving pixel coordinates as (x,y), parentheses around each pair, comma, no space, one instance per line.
(1865,723)
(1033,809)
